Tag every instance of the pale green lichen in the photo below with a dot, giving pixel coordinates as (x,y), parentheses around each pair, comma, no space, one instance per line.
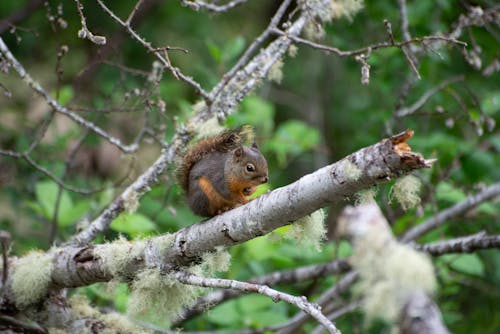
(163,243)
(406,191)
(208,128)
(31,278)
(345,8)
(117,255)
(115,323)
(158,296)
(351,171)
(389,273)
(365,196)
(212,262)
(276,72)
(309,230)
(131,201)
(327,10)
(293,50)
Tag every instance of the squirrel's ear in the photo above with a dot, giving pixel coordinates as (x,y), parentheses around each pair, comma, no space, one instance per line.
(238,152)
(254,145)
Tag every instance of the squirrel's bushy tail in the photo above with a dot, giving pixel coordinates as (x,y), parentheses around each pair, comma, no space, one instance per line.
(222,142)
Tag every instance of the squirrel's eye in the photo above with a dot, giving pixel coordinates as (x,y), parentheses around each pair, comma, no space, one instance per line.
(250,168)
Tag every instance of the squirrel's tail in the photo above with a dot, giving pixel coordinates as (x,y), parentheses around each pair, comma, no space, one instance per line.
(222,142)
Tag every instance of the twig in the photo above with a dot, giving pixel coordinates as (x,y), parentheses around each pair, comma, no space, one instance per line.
(279,277)
(133,12)
(85,32)
(20,15)
(164,60)
(466,244)
(197,4)
(426,96)
(252,48)
(347,308)
(377,46)
(26,77)
(275,295)
(454,211)
(342,285)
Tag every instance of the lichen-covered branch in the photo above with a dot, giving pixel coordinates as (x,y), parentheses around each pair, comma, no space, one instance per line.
(300,302)
(77,266)
(279,277)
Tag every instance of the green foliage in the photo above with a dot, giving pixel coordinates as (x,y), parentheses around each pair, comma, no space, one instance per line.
(134,224)
(319,113)
(252,311)
(291,139)
(68,213)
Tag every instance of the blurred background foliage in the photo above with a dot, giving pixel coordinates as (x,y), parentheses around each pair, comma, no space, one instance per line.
(319,113)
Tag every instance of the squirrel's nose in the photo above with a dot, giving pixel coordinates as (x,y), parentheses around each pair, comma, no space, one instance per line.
(265,179)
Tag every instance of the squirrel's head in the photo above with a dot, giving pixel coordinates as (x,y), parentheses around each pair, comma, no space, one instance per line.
(252,166)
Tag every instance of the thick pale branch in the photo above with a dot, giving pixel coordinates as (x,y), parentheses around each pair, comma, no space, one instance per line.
(78,266)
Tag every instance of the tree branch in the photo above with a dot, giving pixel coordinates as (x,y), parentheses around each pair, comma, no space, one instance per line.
(279,277)
(224,104)
(300,302)
(454,211)
(466,244)
(26,77)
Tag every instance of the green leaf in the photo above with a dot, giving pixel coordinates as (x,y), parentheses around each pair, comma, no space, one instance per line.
(293,138)
(257,112)
(70,215)
(469,264)
(46,195)
(226,314)
(214,50)
(133,224)
(259,248)
(66,93)
(233,49)
(447,192)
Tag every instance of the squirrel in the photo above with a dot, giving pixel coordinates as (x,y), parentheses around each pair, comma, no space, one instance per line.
(218,173)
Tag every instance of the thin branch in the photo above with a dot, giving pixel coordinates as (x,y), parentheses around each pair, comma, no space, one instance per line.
(57,180)
(27,10)
(456,210)
(26,77)
(85,32)
(334,292)
(133,12)
(279,277)
(252,48)
(197,4)
(377,46)
(164,60)
(402,112)
(349,307)
(275,295)
(466,244)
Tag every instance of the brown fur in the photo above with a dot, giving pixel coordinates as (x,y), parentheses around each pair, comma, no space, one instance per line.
(214,172)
